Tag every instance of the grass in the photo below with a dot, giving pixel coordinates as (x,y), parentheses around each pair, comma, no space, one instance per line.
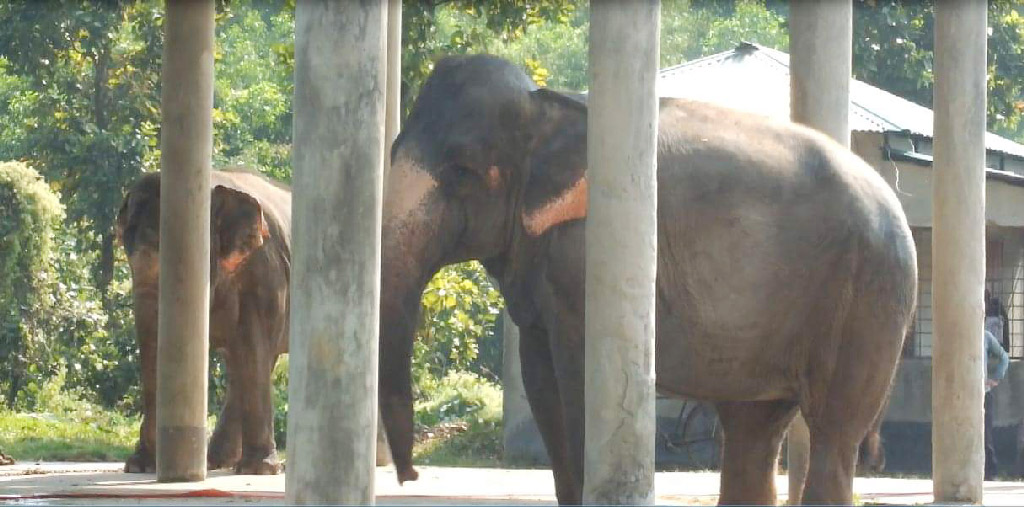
(459,421)
(66,427)
(95,436)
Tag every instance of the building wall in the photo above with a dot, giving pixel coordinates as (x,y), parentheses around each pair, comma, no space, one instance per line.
(906,432)
(1004,203)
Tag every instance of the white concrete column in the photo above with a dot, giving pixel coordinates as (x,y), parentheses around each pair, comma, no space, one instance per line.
(821,65)
(621,259)
(393,114)
(186,152)
(338,159)
(821,60)
(958,250)
(521,440)
(392,118)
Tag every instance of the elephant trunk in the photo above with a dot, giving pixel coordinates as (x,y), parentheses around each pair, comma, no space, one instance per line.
(395,383)
(409,256)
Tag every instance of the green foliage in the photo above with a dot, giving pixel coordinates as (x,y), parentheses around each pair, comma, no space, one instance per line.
(93,70)
(253,100)
(893,48)
(460,422)
(97,345)
(29,213)
(483,25)
(460,308)
(279,380)
(65,427)
(554,51)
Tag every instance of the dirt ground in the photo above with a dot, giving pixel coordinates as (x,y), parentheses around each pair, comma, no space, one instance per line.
(92,483)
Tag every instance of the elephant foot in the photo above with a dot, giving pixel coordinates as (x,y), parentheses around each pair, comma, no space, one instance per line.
(407,474)
(141,462)
(218,460)
(270,465)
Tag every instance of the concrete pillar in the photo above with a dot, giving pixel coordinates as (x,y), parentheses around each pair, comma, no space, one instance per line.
(186,147)
(392,119)
(958,250)
(393,114)
(621,257)
(821,65)
(521,442)
(338,158)
(821,60)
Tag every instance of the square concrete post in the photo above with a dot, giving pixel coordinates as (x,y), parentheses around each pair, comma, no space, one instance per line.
(521,440)
(958,250)
(821,65)
(392,120)
(186,147)
(338,159)
(621,254)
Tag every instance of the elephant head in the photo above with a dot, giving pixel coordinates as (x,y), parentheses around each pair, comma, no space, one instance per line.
(485,166)
(237,229)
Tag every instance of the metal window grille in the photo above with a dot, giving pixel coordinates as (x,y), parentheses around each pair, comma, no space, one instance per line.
(1004,281)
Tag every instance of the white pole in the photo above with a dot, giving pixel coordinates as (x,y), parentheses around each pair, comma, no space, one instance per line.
(338,159)
(186,152)
(958,250)
(621,257)
(821,64)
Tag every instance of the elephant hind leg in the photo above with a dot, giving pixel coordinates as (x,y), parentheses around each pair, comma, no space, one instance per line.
(856,395)
(753,434)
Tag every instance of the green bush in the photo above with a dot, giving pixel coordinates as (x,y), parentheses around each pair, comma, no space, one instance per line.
(280,385)
(65,426)
(460,307)
(29,213)
(460,421)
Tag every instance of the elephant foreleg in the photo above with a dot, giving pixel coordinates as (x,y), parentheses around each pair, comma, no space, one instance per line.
(253,370)
(753,435)
(143,460)
(546,404)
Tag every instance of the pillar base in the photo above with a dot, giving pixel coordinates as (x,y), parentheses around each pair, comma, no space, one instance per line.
(181,454)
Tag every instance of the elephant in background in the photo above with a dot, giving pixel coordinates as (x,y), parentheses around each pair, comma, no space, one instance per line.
(786,269)
(250,249)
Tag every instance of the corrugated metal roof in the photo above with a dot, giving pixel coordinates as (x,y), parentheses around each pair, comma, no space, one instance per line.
(756,79)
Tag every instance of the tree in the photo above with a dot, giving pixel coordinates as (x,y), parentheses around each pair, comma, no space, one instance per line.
(893,49)
(94,70)
(31,212)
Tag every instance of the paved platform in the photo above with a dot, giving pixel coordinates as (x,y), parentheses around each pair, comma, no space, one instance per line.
(92,483)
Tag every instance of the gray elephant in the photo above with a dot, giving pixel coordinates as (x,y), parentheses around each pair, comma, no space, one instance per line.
(250,248)
(786,268)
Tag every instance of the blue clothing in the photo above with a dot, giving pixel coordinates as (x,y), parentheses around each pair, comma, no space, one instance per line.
(993,348)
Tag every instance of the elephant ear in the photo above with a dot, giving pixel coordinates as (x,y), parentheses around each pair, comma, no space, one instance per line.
(123,214)
(140,210)
(556,185)
(239,226)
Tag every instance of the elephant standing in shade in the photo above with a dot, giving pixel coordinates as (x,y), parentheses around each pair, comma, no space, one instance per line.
(250,266)
(786,269)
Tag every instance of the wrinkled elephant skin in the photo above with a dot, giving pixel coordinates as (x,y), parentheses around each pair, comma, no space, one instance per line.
(250,249)
(786,269)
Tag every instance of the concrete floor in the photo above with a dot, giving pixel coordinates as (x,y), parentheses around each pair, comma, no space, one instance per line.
(92,483)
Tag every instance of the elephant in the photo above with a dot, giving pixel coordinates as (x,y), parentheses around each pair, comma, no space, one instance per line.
(250,267)
(786,271)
